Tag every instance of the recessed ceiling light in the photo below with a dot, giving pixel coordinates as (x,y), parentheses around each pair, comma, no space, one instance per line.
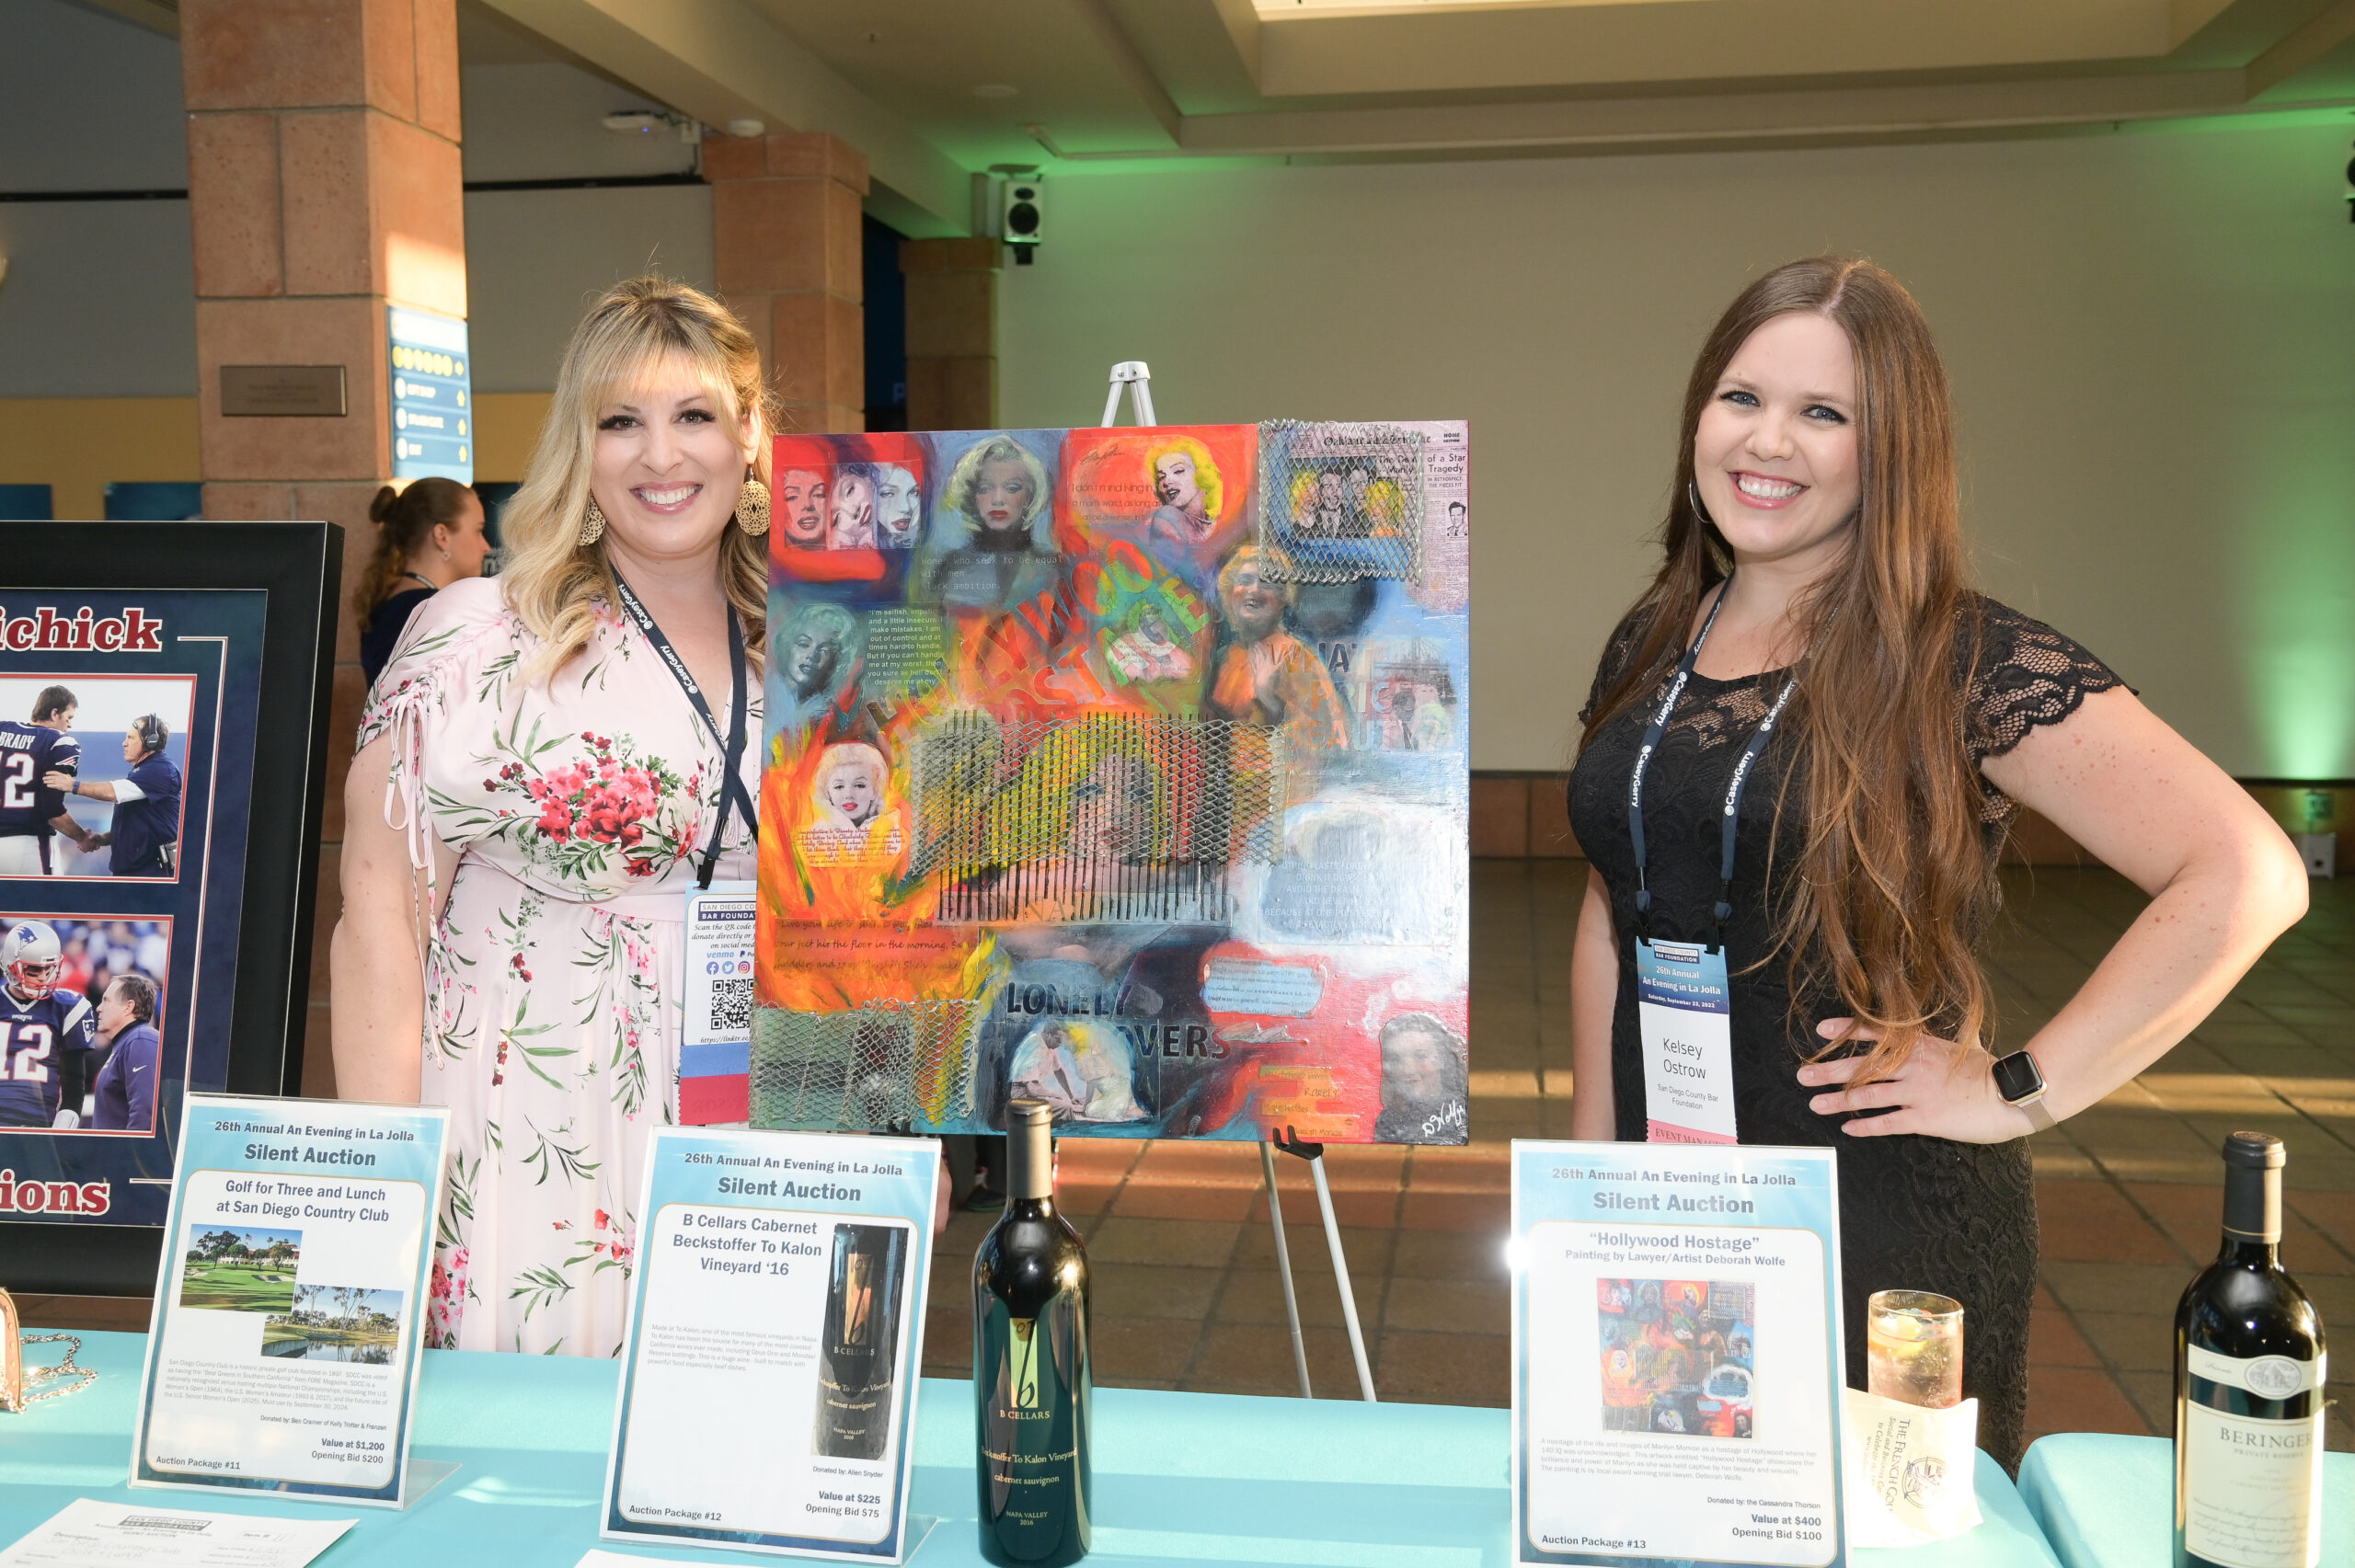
(994,90)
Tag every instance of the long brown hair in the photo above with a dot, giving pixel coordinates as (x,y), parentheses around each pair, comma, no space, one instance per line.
(1894,880)
(405,520)
(552,580)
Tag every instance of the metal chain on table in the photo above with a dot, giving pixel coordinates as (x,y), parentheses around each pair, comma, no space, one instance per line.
(49,1374)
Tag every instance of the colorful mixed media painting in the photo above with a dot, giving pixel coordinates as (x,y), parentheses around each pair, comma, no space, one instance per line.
(1121,767)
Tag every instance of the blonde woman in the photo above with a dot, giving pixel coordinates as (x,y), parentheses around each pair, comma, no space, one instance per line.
(535,788)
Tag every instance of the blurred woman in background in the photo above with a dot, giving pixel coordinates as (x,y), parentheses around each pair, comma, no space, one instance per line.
(429,535)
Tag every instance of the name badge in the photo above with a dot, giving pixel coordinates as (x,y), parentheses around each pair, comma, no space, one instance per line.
(716,1035)
(1683,1008)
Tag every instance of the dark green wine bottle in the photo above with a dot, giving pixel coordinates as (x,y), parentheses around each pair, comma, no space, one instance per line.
(2248,1388)
(1030,1377)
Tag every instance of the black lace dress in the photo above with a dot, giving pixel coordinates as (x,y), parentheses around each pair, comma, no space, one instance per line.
(1915,1213)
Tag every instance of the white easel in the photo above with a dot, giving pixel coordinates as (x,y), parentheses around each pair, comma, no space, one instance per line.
(1134,376)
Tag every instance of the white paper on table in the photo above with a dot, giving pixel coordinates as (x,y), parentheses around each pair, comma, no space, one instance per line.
(1912,1472)
(87,1533)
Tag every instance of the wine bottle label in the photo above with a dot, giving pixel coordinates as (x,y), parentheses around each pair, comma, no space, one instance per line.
(2252,1488)
(2268,1377)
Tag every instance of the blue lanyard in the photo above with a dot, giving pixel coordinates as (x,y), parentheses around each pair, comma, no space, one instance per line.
(733,796)
(1731,825)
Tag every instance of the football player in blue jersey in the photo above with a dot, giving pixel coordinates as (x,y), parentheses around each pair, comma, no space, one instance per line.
(50,1031)
(32,811)
(146,833)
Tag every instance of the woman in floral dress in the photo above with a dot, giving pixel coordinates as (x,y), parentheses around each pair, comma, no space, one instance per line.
(534,793)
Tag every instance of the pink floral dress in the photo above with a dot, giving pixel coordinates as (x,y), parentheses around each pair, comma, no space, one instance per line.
(579,809)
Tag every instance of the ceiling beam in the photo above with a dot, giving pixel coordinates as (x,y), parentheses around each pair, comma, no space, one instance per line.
(2302,48)
(719,61)
(1115,42)
(1715,120)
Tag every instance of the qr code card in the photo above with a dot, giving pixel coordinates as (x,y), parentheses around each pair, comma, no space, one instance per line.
(719,965)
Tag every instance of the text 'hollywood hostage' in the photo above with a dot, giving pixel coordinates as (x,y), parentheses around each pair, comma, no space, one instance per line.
(1120,769)
(127,724)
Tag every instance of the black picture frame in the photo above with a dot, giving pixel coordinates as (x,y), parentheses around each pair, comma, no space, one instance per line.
(299,566)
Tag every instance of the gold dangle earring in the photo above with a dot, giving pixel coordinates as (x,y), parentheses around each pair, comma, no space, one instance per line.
(753,506)
(592,525)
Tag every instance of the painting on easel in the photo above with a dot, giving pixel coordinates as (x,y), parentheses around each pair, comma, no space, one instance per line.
(1121,767)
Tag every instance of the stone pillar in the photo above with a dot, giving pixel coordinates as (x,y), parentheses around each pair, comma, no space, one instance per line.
(324,184)
(787,243)
(952,332)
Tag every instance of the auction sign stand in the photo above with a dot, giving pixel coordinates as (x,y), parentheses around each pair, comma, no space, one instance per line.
(1677,1355)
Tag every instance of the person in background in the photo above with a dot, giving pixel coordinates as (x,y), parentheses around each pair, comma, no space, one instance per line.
(427,536)
(124,1100)
(146,827)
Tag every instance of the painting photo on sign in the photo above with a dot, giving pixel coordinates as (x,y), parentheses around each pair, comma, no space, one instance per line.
(1678,1356)
(1123,768)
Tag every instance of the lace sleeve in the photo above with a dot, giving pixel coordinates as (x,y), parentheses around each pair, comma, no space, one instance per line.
(1614,663)
(2026,675)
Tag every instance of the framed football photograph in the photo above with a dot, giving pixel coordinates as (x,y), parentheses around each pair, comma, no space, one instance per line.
(164,709)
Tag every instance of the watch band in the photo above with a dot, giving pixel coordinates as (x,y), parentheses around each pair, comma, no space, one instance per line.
(2040,1118)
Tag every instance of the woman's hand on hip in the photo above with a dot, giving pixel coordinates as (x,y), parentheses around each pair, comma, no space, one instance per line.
(1942,1090)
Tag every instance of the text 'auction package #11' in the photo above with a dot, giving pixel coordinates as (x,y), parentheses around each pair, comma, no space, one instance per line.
(1676,1349)
(776,1328)
(282,1351)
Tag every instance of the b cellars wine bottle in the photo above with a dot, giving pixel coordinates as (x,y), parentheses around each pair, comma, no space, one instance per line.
(1030,1377)
(2248,1388)
(860,1351)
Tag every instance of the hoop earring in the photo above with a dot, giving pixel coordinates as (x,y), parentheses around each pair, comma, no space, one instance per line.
(1693,497)
(752,506)
(592,524)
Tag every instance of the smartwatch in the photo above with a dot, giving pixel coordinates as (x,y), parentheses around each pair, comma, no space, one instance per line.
(2021,1083)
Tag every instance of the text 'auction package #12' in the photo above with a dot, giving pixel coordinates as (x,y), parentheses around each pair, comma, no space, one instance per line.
(776,1328)
(282,1351)
(1676,1349)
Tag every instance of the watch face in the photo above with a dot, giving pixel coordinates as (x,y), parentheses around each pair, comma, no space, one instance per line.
(2016,1078)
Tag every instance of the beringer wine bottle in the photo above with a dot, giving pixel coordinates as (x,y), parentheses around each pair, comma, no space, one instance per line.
(2248,1388)
(1030,1378)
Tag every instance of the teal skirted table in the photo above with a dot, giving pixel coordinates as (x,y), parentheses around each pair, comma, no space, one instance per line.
(1180,1478)
(2108,1502)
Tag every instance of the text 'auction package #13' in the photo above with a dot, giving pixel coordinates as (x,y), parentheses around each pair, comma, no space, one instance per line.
(776,1323)
(282,1351)
(1677,1367)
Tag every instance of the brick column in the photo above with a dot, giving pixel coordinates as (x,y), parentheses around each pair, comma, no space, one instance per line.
(785,211)
(324,183)
(952,333)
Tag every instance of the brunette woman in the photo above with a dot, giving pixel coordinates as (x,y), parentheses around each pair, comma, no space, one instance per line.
(427,536)
(1813,599)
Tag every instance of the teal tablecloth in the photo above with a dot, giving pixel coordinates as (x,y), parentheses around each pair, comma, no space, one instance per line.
(2108,1502)
(1180,1478)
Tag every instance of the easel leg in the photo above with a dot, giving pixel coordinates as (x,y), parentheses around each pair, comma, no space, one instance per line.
(1341,1275)
(1283,1269)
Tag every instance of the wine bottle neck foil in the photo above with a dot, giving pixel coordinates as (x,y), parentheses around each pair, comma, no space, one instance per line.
(2253,1164)
(1030,1142)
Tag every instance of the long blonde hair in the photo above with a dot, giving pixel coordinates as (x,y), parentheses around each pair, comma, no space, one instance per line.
(552,580)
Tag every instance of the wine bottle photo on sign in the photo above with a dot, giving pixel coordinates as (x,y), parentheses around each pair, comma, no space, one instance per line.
(1030,1377)
(862,1341)
(2248,1388)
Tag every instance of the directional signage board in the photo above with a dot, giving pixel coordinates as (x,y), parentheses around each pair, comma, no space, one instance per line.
(432,402)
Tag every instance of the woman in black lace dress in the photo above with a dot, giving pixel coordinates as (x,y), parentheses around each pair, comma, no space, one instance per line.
(1815,532)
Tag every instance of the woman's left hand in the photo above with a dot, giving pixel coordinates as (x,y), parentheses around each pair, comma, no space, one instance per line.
(1944,1089)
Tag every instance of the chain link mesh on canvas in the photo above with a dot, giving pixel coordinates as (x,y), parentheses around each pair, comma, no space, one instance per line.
(1112,817)
(1342,501)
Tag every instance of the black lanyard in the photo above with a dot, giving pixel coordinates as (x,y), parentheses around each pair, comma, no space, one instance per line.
(733,796)
(1731,826)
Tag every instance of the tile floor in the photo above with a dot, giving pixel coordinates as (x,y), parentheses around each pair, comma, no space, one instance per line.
(1187,1293)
